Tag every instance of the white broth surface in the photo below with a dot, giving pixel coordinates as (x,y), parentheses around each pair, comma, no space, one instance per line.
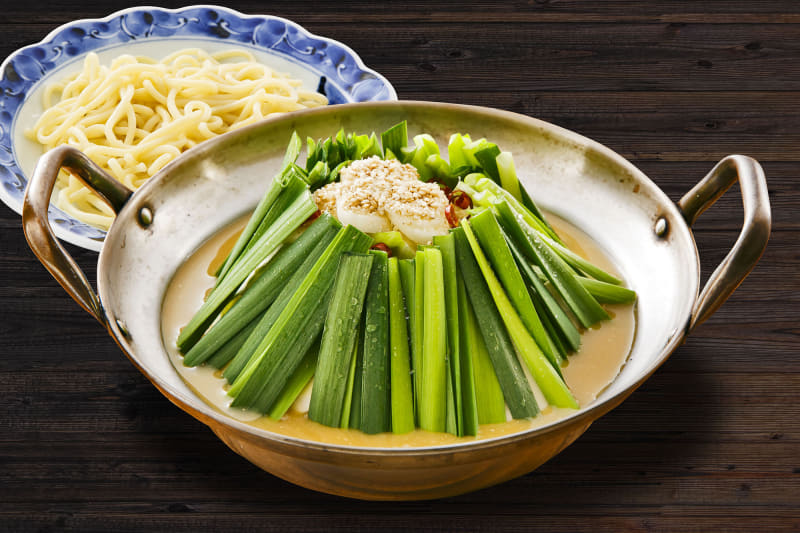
(603,352)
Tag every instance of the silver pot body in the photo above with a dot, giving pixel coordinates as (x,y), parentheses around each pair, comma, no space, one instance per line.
(634,222)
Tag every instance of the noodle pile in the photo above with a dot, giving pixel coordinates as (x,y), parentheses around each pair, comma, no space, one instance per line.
(137,115)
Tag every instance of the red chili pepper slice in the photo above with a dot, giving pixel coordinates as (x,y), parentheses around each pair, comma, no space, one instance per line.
(382,247)
(461,200)
(450,215)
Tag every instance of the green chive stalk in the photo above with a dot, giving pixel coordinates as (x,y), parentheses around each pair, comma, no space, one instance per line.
(400,388)
(432,401)
(546,377)
(339,340)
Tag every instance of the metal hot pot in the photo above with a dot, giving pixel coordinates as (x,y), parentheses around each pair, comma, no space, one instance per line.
(648,236)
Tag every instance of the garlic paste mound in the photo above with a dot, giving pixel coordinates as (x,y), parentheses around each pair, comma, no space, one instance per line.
(376,195)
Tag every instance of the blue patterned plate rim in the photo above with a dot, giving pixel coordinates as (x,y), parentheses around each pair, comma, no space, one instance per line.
(330,65)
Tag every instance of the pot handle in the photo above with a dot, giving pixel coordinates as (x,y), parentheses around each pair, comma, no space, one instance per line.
(754,235)
(39,232)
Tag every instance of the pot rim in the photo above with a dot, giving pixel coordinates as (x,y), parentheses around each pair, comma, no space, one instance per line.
(207,414)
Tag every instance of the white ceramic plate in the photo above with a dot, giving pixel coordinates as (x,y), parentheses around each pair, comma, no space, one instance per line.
(320,62)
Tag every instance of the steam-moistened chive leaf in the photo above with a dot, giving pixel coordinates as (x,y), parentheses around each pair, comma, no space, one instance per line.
(376,402)
(288,221)
(447,246)
(607,293)
(483,397)
(516,389)
(400,361)
(296,384)
(491,239)
(547,378)
(339,339)
(267,320)
(262,290)
(432,401)
(468,335)
(395,139)
(581,303)
(440,169)
(278,355)
(544,301)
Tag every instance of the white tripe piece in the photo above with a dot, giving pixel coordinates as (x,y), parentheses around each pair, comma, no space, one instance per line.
(377,195)
(359,204)
(416,209)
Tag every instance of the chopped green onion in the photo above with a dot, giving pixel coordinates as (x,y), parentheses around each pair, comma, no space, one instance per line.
(394,140)
(492,193)
(487,157)
(508,174)
(424,147)
(455,151)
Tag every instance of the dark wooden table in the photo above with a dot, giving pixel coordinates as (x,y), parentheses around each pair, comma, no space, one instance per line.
(710,443)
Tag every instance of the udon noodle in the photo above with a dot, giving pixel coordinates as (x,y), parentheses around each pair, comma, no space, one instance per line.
(138,114)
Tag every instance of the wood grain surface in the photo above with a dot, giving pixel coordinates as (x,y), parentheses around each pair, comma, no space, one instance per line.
(710,443)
